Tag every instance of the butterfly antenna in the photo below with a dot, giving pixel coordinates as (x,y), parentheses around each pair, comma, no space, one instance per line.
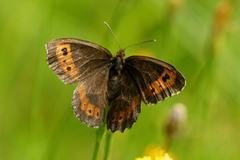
(113,34)
(153,40)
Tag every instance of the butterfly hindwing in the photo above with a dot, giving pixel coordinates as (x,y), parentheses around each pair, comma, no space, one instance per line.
(89,98)
(125,105)
(156,79)
(73,59)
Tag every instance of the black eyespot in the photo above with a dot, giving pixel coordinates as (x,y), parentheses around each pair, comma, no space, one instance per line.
(97,114)
(64,61)
(153,90)
(69,68)
(64,50)
(120,118)
(113,117)
(89,111)
(167,76)
(164,79)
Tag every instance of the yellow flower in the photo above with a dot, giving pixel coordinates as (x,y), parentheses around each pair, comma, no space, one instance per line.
(154,152)
(163,157)
(144,158)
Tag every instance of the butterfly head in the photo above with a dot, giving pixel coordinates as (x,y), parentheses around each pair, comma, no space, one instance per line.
(121,53)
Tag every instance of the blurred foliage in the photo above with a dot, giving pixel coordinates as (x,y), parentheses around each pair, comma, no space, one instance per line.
(200,38)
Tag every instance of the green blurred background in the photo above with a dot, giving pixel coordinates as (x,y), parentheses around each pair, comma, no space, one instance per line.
(199,37)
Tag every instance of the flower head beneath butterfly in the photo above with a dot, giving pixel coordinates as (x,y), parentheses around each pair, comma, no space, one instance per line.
(154,152)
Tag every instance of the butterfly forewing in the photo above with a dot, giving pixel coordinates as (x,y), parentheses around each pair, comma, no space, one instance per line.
(71,59)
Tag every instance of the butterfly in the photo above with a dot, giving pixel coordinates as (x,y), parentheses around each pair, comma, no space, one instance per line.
(115,81)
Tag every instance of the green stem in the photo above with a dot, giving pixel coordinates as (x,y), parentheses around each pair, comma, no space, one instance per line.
(99,135)
(108,144)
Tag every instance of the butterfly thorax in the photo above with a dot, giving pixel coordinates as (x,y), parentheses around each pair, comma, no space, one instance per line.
(119,61)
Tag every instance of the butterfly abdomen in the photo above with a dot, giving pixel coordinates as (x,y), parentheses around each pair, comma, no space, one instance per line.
(114,78)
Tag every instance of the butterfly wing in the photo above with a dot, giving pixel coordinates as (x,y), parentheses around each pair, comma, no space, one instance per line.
(73,59)
(125,105)
(156,79)
(76,60)
(89,98)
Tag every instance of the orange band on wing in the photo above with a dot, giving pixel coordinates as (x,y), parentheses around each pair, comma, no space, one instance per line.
(86,106)
(89,110)
(64,55)
(121,116)
(97,113)
(114,117)
(167,79)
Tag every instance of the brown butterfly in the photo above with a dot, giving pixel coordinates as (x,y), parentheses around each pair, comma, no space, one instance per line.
(114,81)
